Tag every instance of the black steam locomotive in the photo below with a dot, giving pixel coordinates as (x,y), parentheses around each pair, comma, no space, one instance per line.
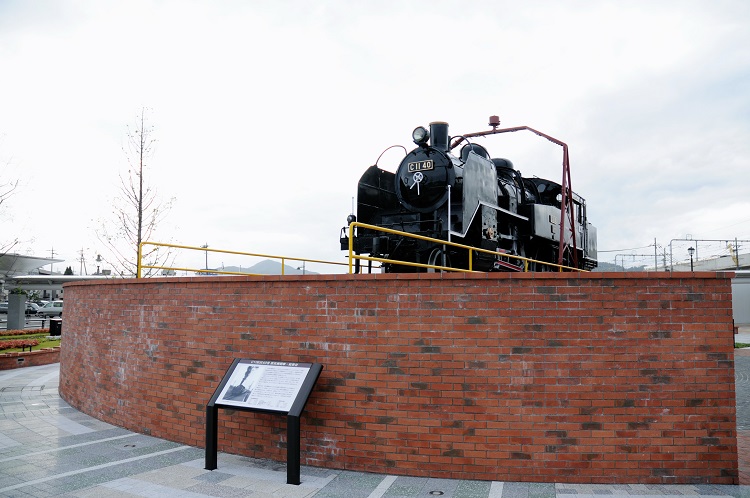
(470,199)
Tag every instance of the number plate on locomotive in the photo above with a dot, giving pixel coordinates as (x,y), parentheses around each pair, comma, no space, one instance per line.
(420,166)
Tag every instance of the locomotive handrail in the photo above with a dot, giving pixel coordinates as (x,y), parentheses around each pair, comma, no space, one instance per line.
(471,249)
(283,259)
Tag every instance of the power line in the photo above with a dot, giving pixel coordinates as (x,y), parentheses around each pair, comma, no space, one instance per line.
(631,249)
(729,226)
(694,243)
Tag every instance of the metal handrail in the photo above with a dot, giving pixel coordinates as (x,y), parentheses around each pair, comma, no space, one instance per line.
(352,256)
(471,249)
(283,259)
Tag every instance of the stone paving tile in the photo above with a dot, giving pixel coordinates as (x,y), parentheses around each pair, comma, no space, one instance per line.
(406,486)
(472,489)
(98,492)
(214,476)
(446,486)
(352,484)
(10,480)
(175,476)
(219,490)
(516,490)
(244,482)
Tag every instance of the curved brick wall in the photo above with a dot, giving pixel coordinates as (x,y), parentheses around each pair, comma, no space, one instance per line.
(594,378)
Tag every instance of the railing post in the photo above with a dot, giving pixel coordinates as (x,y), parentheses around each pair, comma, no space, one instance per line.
(140,254)
(351,244)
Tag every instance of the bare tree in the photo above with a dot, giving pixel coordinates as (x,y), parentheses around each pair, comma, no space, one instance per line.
(7,188)
(137,211)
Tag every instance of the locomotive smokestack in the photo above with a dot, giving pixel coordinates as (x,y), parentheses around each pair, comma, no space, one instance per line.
(439,135)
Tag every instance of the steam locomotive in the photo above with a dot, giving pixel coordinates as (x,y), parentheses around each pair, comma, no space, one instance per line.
(470,199)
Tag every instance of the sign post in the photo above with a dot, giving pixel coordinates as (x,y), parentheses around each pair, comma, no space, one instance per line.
(267,387)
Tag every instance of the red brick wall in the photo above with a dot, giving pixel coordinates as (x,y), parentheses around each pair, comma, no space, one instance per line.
(601,377)
(9,361)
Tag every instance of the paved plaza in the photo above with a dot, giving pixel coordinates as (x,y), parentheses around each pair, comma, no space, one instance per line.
(47,448)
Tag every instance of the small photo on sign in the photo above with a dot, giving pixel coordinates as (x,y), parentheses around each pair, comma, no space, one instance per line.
(241,384)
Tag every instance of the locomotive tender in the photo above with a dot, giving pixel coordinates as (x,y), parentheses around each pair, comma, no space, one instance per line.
(470,199)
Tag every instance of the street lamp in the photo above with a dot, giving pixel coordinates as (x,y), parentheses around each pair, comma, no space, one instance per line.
(205,246)
(691,250)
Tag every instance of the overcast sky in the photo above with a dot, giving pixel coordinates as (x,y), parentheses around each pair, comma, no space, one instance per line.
(266,113)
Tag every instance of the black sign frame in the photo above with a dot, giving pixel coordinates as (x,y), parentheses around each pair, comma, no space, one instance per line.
(293,414)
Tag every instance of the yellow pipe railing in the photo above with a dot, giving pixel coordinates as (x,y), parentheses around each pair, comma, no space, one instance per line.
(283,259)
(352,256)
(471,250)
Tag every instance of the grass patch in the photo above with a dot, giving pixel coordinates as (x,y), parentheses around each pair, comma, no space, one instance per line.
(738,345)
(36,335)
(42,338)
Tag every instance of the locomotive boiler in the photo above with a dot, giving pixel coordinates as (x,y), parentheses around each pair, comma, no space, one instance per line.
(473,199)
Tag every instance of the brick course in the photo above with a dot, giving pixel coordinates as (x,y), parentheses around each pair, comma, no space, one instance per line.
(594,378)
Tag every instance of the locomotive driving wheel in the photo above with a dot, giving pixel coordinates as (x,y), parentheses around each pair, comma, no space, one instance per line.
(438,257)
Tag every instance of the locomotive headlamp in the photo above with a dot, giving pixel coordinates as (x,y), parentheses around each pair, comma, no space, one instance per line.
(420,135)
(350,219)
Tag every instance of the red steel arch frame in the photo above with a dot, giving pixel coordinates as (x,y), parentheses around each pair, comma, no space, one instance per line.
(566,205)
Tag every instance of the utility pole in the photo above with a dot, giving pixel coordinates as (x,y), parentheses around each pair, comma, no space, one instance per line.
(83,263)
(52,257)
(656,261)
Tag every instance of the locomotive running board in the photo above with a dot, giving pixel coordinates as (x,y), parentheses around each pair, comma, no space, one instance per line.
(491,206)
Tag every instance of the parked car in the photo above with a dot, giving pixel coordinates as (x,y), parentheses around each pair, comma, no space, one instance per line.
(31,308)
(54,308)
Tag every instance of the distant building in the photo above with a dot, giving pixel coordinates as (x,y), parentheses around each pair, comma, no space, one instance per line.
(722,263)
(15,265)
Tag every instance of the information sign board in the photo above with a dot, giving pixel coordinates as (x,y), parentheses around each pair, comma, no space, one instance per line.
(264,385)
(280,387)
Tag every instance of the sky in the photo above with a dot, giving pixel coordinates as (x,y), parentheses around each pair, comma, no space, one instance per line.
(266,113)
